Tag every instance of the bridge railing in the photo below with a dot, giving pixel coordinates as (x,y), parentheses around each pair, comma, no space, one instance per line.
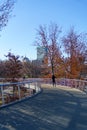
(73,83)
(13,92)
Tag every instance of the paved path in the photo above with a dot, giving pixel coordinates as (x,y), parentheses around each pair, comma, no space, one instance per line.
(53,109)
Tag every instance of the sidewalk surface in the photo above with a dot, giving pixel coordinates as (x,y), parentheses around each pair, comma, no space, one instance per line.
(53,109)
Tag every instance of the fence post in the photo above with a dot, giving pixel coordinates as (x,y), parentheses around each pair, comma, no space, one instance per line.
(3,101)
(19,91)
(35,86)
(29,85)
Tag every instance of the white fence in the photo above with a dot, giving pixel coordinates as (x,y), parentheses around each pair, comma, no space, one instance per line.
(14,92)
(74,83)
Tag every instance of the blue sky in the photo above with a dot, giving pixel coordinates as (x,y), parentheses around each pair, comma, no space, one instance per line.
(20,33)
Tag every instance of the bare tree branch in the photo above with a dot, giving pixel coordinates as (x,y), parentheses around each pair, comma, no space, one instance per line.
(5,12)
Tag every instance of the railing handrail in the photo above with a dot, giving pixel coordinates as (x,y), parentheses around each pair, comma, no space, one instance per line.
(74,79)
(24,89)
(14,83)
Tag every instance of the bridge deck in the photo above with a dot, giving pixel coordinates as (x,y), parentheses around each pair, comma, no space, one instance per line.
(53,109)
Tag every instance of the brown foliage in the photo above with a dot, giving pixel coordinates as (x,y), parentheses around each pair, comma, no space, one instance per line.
(74,45)
(13,67)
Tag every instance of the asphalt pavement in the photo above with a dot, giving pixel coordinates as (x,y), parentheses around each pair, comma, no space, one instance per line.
(53,109)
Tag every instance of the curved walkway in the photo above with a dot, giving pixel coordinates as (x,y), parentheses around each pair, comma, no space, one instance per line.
(53,109)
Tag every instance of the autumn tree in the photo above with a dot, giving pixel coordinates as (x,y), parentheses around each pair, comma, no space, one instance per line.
(74,46)
(13,67)
(49,39)
(36,69)
(2,69)
(84,70)
(5,12)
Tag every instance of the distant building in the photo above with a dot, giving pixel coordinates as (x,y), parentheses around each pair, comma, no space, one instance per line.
(25,59)
(36,62)
(41,53)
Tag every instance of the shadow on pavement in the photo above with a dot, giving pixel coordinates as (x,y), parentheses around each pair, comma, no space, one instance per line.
(53,109)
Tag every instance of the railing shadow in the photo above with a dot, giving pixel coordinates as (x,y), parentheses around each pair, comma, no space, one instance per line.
(52,110)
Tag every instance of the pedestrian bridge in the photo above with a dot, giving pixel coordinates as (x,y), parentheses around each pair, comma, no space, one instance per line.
(11,93)
(60,108)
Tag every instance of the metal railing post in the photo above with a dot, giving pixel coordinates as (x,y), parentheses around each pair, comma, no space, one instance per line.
(3,101)
(29,85)
(35,86)
(19,91)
